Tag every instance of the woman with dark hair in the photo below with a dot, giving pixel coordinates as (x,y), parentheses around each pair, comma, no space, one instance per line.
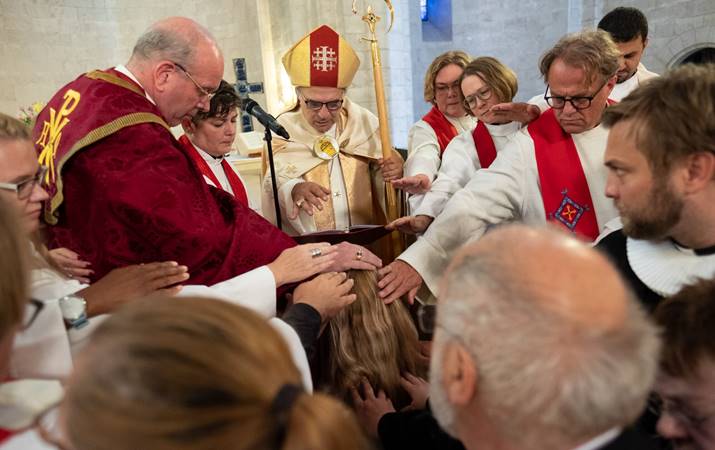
(209,137)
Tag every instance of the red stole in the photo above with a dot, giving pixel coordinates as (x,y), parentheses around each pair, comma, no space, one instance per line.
(444,130)
(486,151)
(6,434)
(239,191)
(564,189)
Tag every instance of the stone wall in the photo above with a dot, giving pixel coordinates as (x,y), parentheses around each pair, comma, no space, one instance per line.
(44,44)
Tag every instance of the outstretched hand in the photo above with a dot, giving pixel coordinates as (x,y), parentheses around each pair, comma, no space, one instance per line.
(71,264)
(391,168)
(351,256)
(411,224)
(371,407)
(398,279)
(513,112)
(416,184)
(328,293)
(298,263)
(132,282)
(418,388)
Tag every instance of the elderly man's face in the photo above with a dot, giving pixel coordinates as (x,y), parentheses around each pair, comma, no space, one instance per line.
(631,54)
(320,106)
(568,81)
(18,164)
(188,87)
(688,408)
(648,205)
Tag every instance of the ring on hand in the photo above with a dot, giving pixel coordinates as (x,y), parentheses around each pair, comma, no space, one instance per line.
(358,255)
(300,202)
(314,253)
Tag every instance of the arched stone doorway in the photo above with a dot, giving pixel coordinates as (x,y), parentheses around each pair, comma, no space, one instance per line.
(700,56)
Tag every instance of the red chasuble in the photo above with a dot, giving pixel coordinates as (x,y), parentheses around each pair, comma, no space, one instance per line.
(444,130)
(239,191)
(483,142)
(125,191)
(564,189)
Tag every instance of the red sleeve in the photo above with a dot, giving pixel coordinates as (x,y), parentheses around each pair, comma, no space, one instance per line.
(136,197)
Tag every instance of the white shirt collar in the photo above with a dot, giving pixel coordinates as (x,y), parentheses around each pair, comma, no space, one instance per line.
(600,440)
(209,158)
(124,70)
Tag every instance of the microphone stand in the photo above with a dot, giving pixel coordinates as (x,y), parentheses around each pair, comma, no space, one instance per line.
(269,146)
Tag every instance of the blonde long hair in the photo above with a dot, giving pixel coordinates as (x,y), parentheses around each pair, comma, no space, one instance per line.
(373,341)
(199,374)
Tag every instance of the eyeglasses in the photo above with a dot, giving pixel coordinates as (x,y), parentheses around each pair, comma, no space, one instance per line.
(332,105)
(470,101)
(677,411)
(32,310)
(442,89)
(202,91)
(578,103)
(24,188)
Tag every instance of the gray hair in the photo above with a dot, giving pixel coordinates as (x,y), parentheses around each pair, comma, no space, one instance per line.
(541,376)
(161,43)
(592,51)
(171,39)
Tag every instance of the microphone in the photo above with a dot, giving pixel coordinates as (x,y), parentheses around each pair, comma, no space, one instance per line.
(267,120)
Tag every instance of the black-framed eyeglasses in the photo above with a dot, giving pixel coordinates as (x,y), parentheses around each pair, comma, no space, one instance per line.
(32,310)
(202,91)
(443,88)
(484,94)
(314,105)
(24,188)
(578,102)
(677,411)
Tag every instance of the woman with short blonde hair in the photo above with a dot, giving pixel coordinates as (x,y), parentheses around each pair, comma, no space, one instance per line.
(430,135)
(199,374)
(485,82)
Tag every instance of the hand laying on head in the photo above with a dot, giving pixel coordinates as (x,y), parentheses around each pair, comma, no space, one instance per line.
(306,196)
(371,408)
(128,283)
(71,264)
(351,256)
(513,112)
(411,224)
(416,184)
(397,279)
(418,388)
(302,261)
(391,168)
(328,293)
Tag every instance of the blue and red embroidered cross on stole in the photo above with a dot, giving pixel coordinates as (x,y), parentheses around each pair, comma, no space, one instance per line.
(564,189)
(483,142)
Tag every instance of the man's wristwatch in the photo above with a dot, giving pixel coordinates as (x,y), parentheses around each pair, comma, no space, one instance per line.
(74,311)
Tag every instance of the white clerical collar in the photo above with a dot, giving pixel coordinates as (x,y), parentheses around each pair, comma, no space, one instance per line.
(208,157)
(600,440)
(503,129)
(123,69)
(464,123)
(665,267)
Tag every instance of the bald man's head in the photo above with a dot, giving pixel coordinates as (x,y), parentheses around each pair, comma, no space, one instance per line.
(555,271)
(559,347)
(178,62)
